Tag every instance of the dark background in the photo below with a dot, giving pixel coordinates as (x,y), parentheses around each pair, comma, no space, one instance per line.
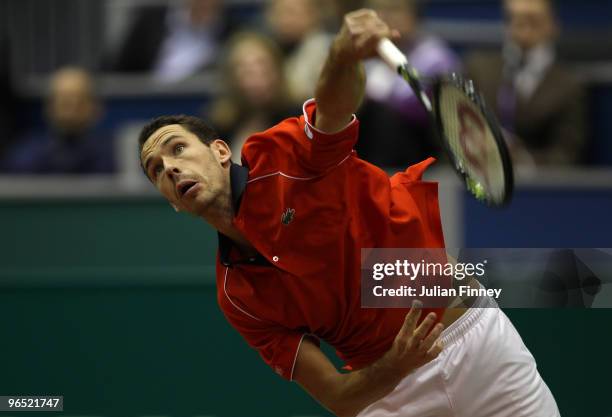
(121,318)
(108,297)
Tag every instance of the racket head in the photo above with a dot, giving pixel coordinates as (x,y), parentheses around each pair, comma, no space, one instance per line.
(473,140)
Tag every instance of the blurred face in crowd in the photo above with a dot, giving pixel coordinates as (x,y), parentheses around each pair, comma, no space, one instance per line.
(71,106)
(204,12)
(398,14)
(190,174)
(291,20)
(256,71)
(530,22)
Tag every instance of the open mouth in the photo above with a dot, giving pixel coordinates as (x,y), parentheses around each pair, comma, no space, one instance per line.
(185,186)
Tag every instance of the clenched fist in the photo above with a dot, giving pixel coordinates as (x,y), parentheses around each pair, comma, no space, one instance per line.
(360,33)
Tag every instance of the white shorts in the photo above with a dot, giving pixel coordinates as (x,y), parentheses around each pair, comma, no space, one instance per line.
(485,370)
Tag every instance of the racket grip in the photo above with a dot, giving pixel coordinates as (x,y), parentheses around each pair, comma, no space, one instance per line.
(391,54)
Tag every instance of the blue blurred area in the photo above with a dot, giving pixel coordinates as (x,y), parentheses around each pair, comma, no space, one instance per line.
(542,218)
(463,10)
(573,13)
(601,109)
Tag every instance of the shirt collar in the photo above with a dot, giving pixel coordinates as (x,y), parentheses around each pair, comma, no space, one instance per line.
(540,58)
(239,176)
(238,180)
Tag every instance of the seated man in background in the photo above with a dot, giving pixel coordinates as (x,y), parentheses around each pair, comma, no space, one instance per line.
(393,121)
(69,145)
(539,103)
(173,42)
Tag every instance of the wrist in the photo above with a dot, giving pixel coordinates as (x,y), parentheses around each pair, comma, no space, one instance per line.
(387,368)
(342,52)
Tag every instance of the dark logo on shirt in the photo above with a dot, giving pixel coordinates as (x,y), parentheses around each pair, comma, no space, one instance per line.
(287,216)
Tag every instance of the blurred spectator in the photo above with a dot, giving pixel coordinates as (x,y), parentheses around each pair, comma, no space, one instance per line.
(255,94)
(8,99)
(297,27)
(69,146)
(540,103)
(395,127)
(174,42)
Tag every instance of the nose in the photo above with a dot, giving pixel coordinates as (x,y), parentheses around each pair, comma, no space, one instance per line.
(172,170)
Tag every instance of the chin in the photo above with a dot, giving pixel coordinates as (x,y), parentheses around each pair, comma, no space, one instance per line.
(194,208)
(198,207)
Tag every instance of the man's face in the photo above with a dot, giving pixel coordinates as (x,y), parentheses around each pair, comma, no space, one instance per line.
(71,106)
(190,174)
(530,22)
(291,20)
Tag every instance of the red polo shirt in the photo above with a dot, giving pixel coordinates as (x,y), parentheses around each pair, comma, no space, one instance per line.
(308,206)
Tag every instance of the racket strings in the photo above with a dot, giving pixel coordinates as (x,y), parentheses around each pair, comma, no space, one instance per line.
(472,144)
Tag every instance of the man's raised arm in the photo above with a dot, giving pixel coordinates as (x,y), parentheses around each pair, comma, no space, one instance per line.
(341,84)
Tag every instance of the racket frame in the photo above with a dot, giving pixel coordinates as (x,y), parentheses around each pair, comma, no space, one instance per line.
(398,61)
(466,86)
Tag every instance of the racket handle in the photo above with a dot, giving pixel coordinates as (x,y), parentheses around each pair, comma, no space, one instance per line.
(399,63)
(391,54)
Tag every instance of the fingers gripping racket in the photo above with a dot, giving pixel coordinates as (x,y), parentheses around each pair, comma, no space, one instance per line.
(469,132)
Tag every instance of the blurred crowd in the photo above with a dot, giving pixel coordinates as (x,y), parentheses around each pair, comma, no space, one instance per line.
(268,64)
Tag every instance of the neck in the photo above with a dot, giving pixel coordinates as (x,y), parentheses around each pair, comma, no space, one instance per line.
(225,226)
(220,215)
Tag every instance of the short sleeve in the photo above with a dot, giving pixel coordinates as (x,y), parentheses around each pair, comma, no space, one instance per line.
(296,147)
(277,346)
(327,150)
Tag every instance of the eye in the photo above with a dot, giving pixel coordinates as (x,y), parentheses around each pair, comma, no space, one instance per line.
(157,169)
(179,148)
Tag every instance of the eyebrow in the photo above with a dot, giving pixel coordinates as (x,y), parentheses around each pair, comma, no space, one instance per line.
(164,143)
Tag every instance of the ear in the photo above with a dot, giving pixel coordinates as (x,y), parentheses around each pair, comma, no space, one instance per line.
(222,151)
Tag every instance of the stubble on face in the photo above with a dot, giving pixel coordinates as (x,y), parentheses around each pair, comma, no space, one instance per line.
(186,160)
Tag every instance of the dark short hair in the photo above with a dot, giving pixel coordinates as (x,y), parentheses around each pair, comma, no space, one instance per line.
(193,124)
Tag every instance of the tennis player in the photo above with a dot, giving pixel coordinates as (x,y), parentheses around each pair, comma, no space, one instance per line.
(292,220)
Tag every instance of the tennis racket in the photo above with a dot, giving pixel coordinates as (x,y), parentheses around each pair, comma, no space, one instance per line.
(468,131)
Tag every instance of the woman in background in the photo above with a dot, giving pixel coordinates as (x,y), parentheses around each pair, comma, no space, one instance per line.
(255,95)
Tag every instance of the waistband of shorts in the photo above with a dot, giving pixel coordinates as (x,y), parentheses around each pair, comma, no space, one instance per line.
(463,324)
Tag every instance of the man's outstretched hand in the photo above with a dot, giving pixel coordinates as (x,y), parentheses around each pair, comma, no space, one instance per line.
(414,346)
(346,394)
